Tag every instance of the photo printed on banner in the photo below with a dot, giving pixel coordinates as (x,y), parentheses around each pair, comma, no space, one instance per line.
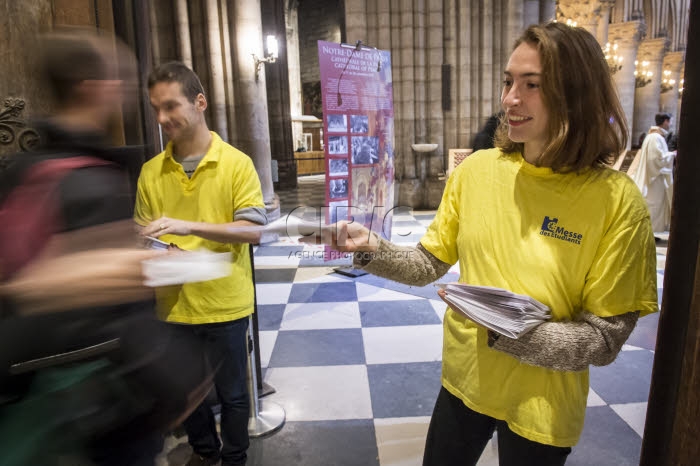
(337,211)
(338,188)
(338,167)
(359,123)
(337,123)
(337,145)
(365,150)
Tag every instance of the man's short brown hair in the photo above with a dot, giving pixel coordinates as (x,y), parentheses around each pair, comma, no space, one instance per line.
(177,72)
(660,118)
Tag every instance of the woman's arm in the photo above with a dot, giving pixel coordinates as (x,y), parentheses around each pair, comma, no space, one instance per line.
(405,264)
(570,346)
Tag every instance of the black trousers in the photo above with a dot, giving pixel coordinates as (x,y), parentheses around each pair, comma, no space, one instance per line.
(458,435)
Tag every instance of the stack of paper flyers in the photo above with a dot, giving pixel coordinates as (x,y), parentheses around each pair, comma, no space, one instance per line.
(500,310)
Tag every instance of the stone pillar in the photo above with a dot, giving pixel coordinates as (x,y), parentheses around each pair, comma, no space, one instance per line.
(531,12)
(646,99)
(675,123)
(434,186)
(251,98)
(435,119)
(627,36)
(604,22)
(451,123)
(294,70)
(587,15)
(356,20)
(216,66)
(228,84)
(669,99)
(183,32)
(463,67)
(409,185)
(278,98)
(548,10)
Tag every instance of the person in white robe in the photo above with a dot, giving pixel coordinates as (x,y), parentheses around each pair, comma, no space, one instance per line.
(654,173)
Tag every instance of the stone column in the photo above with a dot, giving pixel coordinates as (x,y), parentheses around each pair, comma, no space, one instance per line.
(531,12)
(277,79)
(216,67)
(251,98)
(294,70)
(436,123)
(184,45)
(356,20)
(627,36)
(587,14)
(675,122)
(408,184)
(669,99)
(228,84)
(548,10)
(604,21)
(646,99)
(451,58)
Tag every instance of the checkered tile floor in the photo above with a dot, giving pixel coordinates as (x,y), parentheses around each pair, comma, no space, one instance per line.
(356,365)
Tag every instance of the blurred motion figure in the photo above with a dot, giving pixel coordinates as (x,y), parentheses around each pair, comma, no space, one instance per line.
(83,371)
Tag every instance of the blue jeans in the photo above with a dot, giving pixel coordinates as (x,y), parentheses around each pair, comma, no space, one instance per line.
(226,347)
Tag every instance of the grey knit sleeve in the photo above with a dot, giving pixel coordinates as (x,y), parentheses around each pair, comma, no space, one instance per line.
(405,264)
(571,346)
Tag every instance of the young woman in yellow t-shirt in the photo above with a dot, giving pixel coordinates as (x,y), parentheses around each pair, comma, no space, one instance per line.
(543,215)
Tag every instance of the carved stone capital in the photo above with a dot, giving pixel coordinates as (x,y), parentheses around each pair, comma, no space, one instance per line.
(583,11)
(674,60)
(652,49)
(627,34)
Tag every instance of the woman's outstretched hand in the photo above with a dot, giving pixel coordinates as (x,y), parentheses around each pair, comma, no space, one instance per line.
(345,237)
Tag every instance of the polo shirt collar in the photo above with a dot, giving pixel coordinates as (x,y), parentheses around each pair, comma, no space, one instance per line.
(212,155)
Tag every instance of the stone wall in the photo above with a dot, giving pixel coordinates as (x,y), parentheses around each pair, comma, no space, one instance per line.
(447,61)
(23,97)
(318,20)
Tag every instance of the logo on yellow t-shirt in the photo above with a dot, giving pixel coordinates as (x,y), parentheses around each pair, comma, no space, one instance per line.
(551,228)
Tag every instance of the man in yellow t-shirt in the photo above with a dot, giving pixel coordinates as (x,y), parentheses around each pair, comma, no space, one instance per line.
(194,194)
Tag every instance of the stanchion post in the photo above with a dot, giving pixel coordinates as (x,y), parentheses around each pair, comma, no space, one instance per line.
(266,416)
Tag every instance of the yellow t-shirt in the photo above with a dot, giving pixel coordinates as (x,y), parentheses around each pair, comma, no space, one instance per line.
(572,241)
(224,182)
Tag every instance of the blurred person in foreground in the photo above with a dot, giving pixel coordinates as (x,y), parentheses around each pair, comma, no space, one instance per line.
(83,374)
(195,194)
(654,173)
(544,215)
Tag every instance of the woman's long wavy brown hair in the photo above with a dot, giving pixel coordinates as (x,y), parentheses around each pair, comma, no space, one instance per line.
(587,126)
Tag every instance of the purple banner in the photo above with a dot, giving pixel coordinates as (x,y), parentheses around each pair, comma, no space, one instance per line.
(358,133)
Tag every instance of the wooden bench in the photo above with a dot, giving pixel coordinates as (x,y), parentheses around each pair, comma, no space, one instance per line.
(310,162)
